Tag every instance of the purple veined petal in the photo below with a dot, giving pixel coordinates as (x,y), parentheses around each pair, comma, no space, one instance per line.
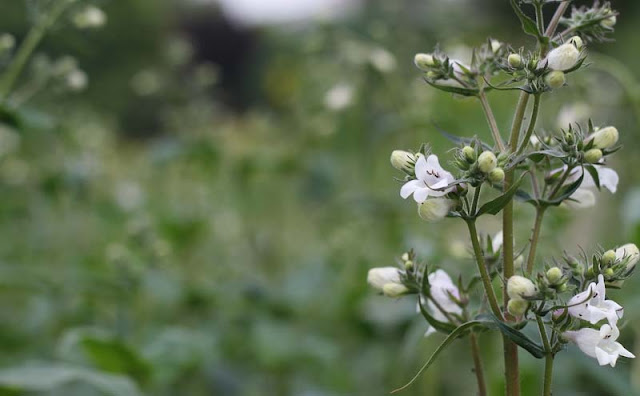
(410,187)
(421,194)
(608,178)
(421,168)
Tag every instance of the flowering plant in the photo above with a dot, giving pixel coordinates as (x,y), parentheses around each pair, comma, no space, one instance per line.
(566,301)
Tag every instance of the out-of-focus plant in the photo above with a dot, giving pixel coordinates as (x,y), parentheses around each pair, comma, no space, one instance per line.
(565,299)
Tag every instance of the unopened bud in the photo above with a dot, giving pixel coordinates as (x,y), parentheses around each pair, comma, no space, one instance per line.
(519,287)
(608,258)
(630,252)
(593,156)
(379,277)
(432,75)
(408,265)
(561,288)
(564,57)
(7,42)
(555,79)
(403,161)
(515,61)
(487,161)
(469,154)
(424,61)
(495,45)
(496,175)
(605,138)
(609,22)
(405,256)
(554,275)
(608,273)
(559,314)
(576,41)
(89,18)
(578,270)
(394,290)
(435,209)
(517,306)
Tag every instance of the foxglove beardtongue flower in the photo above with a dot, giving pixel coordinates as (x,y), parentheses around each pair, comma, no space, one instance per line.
(403,161)
(583,197)
(604,138)
(629,252)
(435,209)
(601,344)
(431,180)
(378,277)
(441,289)
(564,57)
(424,61)
(591,305)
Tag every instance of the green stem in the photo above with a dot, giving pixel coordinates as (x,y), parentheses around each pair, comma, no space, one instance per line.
(532,123)
(482,269)
(476,198)
(491,119)
(535,235)
(558,186)
(548,362)
(539,16)
(27,47)
(477,363)
(553,25)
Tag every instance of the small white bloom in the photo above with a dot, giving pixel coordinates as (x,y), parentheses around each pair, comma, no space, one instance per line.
(630,252)
(378,277)
(431,180)
(89,18)
(339,97)
(496,241)
(382,60)
(77,80)
(601,345)
(436,209)
(519,287)
(583,197)
(591,305)
(564,57)
(441,289)
(495,45)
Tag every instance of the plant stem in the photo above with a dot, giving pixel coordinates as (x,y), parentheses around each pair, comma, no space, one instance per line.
(532,123)
(535,234)
(482,268)
(548,362)
(491,119)
(553,25)
(477,363)
(27,47)
(476,197)
(539,16)
(558,186)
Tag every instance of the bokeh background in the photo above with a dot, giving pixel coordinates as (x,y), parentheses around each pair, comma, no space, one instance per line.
(201,218)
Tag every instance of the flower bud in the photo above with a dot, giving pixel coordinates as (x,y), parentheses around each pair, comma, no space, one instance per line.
(519,287)
(469,154)
(424,61)
(609,22)
(576,41)
(432,75)
(515,61)
(559,314)
(378,277)
(554,275)
(89,18)
(517,306)
(593,156)
(564,57)
(394,290)
(7,42)
(608,258)
(487,161)
(578,270)
(435,209)
(608,273)
(408,265)
(496,175)
(495,45)
(403,161)
(605,138)
(555,79)
(561,288)
(630,252)
(405,256)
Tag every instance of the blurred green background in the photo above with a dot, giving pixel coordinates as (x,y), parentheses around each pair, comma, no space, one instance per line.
(201,219)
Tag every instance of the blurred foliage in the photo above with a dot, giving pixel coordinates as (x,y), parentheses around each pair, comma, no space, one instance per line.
(197,223)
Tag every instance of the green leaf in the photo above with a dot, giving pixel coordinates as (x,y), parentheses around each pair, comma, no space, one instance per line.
(594,174)
(514,335)
(438,325)
(452,89)
(494,206)
(565,193)
(113,356)
(528,25)
(459,331)
(49,377)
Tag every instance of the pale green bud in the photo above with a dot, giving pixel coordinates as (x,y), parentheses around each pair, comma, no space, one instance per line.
(519,287)
(469,153)
(381,276)
(435,209)
(608,258)
(408,265)
(403,161)
(487,161)
(517,307)
(609,22)
(495,45)
(555,79)
(630,252)
(394,290)
(515,61)
(576,41)
(608,273)
(405,256)
(554,275)
(7,42)
(605,137)
(496,175)
(432,75)
(424,61)
(593,156)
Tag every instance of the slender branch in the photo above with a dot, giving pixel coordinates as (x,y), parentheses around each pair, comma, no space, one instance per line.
(557,187)
(548,362)
(535,234)
(476,198)
(539,16)
(482,268)
(532,123)
(491,119)
(553,25)
(477,363)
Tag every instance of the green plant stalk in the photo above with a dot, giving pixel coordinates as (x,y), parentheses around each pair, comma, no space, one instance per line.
(532,124)
(548,361)
(491,119)
(482,268)
(477,365)
(535,235)
(27,47)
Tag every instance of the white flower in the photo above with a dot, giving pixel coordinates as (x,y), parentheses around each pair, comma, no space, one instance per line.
(601,345)
(441,289)
(90,17)
(564,57)
(583,197)
(431,180)
(436,209)
(496,241)
(339,97)
(382,60)
(629,251)
(378,277)
(591,305)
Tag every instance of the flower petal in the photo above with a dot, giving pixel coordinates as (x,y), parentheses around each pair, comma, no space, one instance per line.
(410,187)
(421,194)
(608,178)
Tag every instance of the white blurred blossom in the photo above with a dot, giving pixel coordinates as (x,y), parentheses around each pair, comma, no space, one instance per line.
(339,97)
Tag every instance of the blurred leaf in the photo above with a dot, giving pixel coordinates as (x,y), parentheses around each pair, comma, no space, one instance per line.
(113,356)
(515,335)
